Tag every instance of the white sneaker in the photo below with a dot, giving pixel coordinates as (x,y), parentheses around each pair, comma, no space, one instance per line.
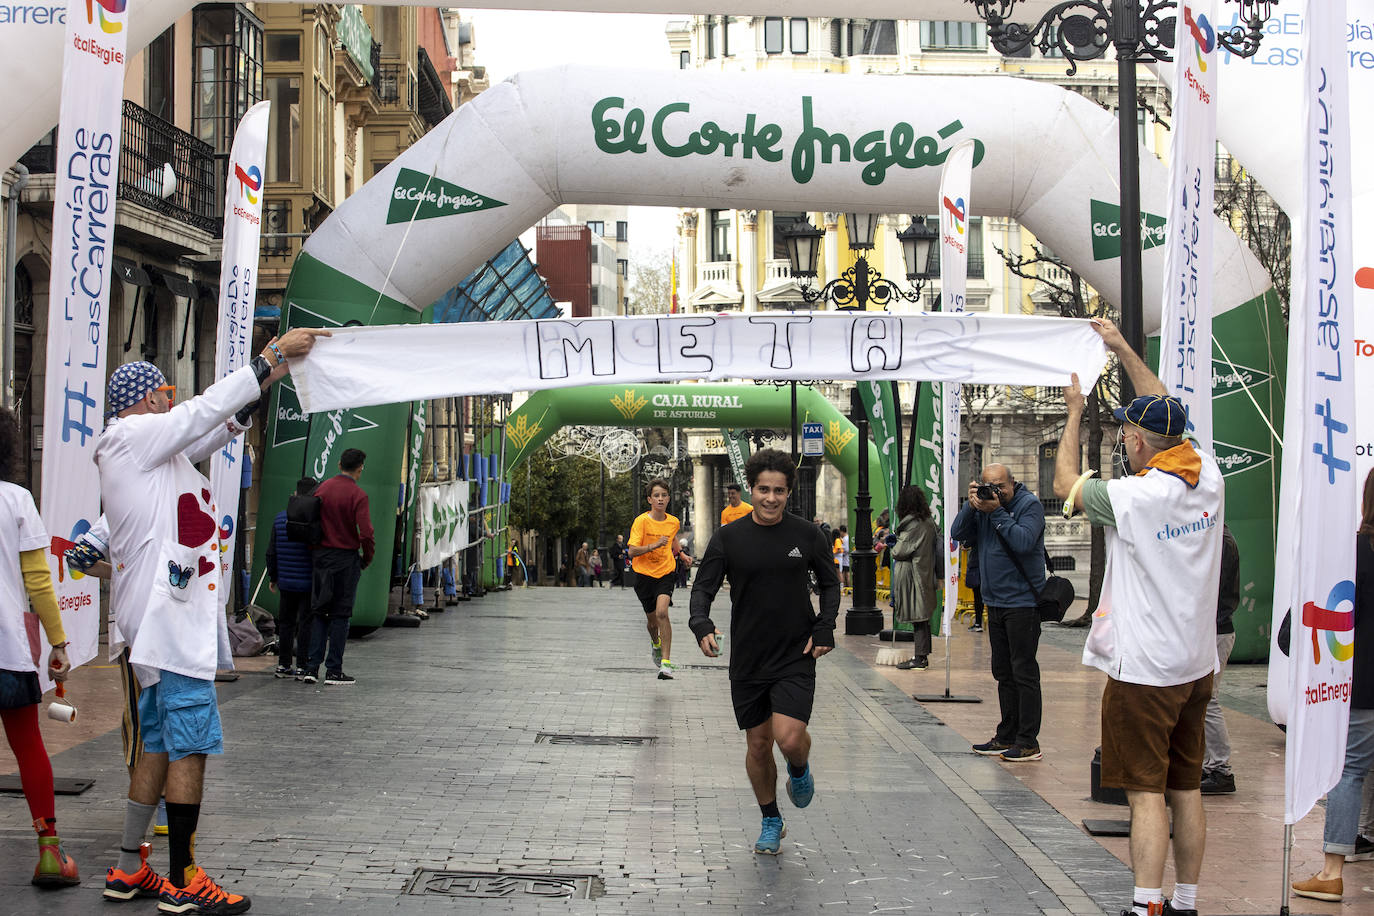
(666,670)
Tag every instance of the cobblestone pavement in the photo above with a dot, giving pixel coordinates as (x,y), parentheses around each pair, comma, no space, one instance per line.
(329,799)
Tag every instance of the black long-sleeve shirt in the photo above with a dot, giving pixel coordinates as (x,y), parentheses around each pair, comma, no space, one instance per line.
(771,616)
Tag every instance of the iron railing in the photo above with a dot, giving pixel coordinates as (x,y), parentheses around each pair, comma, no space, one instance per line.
(149,145)
(396,84)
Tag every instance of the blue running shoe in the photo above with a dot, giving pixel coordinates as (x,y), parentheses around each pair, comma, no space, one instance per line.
(801,789)
(770,837)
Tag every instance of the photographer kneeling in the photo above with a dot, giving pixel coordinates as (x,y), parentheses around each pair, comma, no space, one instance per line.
(1005,523)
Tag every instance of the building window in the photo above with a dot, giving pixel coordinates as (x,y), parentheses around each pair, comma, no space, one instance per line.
(598,227)
(772,35)
(710,37)
(837,38)
(228,52)
(284,139)
(596,296)
(387,30)
(622,231)
(975,248)
(720,234)
(324,143)
(622,267)
(283,47)
(596,255)
(276,223)
(783,220)
(873,36)
(954,36)
(684,60)
(801,41)
(159,89)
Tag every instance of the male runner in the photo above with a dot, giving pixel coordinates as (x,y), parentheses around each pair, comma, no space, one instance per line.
(653,551)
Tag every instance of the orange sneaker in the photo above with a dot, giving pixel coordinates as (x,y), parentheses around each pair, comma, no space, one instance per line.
(120,885)
(201,895)
(55,868)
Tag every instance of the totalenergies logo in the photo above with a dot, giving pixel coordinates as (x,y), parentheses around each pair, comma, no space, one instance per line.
(250,182)
(1203,34)
(1332,620)
(106,11)
(226,531)
(958,213)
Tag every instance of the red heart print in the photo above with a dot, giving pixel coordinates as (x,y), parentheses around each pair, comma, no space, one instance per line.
(194,525)
(205,494)
(206,566)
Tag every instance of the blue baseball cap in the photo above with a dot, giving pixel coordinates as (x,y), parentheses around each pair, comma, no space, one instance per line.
(1159,414)
(128,384)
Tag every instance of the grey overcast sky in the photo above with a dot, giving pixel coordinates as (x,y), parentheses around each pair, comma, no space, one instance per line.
(509,41)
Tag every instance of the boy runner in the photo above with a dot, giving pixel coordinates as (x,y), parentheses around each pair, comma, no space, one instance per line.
(654,551)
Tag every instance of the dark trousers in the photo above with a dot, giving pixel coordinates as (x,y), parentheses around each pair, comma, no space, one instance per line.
(293,628)
(1014,637)
(977,605)
(335,581)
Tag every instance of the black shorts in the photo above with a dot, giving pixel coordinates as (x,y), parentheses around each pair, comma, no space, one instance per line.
(648,589)
(791,695)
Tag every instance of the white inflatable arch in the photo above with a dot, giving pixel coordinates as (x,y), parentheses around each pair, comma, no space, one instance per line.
(737,141)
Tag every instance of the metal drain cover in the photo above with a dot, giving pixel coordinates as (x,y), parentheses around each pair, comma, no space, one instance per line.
(595,740)
(508,885)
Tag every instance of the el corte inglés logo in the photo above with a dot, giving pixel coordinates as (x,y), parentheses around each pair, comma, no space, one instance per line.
(1106,220)
(419,196)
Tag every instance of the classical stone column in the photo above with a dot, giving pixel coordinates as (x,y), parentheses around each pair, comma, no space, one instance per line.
(749,260)
(687,267)
(832,248)
(705,515)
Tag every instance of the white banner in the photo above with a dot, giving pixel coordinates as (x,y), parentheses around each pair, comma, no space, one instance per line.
(238,284)
(1185,352)
(360,366)
(956,183)
(1321,444)
(441,522)
(87,179)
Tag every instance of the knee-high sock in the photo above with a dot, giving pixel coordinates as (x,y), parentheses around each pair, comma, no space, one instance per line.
(137,817)
(181,841)
(35,770)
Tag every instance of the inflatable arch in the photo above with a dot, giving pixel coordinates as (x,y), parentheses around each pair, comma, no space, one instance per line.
(32,32)
(1046,157)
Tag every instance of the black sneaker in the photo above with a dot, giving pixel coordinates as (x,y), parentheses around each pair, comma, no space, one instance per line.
(920,663)
(285,671)
(310,676)
(1364,849)
(1170,911)
(339,679)
(1019,754)
(1218,783)
(993,748)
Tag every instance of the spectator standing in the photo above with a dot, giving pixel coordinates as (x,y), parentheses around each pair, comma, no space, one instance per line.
(620,561)
(913,572)
(25,579)
(1006,525)
(289,575)
(596,567)
(841,551)
(1154,631)
(1341,832)
(346,549)
(735,508)
(583,564)
(1217,778)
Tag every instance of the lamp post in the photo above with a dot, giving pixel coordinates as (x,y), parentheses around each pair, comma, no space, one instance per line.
(853,290)
(1139,30)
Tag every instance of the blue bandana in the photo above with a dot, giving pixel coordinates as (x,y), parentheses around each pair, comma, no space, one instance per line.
(128,384)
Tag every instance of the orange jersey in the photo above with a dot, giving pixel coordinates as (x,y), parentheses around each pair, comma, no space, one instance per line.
(731,513)
(645,531)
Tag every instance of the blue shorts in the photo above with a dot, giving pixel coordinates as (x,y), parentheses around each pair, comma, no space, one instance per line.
(179,716)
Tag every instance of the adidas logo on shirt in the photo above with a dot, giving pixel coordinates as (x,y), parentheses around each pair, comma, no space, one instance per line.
(795,552)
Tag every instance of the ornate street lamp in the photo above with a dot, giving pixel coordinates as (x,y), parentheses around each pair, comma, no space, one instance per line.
(853,290)
(1139,30)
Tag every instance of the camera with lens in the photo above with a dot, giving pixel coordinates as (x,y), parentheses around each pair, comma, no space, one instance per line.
(988,492)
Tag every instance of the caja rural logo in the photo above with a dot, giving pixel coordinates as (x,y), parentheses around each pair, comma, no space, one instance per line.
(1203,34)
(1332,620)
(250,182)
(106,10)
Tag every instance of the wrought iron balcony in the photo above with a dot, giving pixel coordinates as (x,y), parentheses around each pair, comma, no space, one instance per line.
(187,190)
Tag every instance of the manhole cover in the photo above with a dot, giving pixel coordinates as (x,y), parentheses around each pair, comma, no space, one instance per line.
(506,885)
(595,740)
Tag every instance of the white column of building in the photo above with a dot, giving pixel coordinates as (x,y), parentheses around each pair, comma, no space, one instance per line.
(687,264)
(749,271)
(703,506)
(832,247)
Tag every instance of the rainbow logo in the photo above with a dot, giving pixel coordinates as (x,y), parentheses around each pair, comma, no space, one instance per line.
(1332,621)
(249,182)
(226,531)
(1203,34)
(957,213)
(112,8)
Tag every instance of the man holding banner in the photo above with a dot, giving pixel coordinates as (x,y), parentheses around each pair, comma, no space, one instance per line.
(167,598)
(1154,631)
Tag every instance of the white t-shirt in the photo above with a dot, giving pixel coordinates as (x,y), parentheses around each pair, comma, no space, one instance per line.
(167,586)
(21,529)
(1156,623)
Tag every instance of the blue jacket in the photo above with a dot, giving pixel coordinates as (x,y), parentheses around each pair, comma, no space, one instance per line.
(288,561)
(1022,523)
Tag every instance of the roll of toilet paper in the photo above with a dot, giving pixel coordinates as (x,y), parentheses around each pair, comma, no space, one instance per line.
(62,711)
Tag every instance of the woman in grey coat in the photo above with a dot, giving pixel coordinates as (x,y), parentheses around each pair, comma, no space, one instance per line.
(913,571)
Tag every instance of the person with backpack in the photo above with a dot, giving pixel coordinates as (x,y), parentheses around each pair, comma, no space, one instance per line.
(347,545)
(289,572)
